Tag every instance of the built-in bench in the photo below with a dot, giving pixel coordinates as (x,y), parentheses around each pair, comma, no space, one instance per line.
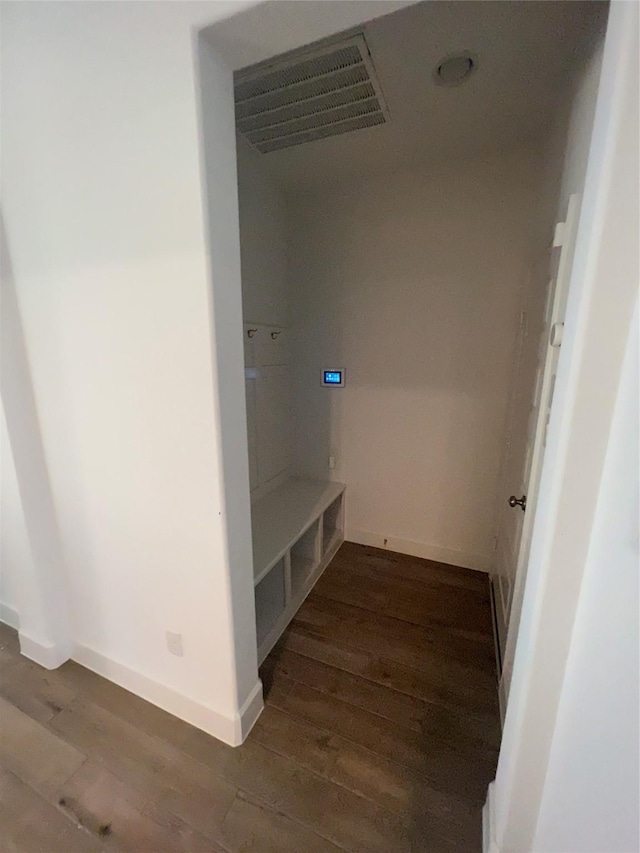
(297,529)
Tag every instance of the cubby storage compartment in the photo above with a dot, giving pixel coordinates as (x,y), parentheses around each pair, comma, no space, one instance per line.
(332,525)
(270,600)
(304,558)
(289,553)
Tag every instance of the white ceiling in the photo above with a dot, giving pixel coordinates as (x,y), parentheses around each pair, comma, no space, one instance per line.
(528,53)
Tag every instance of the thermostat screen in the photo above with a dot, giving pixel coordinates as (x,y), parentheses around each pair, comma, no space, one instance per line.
(333,377)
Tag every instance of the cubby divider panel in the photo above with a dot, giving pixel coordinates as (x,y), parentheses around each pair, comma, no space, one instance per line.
(270,600)
(305,557)
(332,524)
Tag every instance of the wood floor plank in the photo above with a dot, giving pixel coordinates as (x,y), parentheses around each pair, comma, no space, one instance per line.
(127,706)
(396,786)
(29,824)
(389,564)
(380,733)
(345,819)
(160,772)
(449,724)
(391,785)
(413,645)
(37,691)
(129,752)
(437,677)
(295,739)
(431,683)
(413,642)
(196,793)
(463,770)
(254,828)
(406,710)
(33,753)
(427,583)
(431,588)
(428,811)
(123,818)
(9,642)
(465,613)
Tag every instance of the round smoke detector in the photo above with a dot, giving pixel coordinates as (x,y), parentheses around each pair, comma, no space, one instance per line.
(455,69)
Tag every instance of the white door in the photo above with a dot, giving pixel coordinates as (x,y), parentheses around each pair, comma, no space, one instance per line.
(517,455)
(527,434)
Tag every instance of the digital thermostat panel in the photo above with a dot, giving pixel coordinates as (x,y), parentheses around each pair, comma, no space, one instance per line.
(334,378)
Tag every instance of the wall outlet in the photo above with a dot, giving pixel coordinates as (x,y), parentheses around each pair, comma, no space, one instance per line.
(332,461)
(174,643)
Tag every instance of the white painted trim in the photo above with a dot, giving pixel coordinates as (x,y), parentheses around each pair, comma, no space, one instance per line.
(249,713)
(465,559)
(489,843)
(229,729)
(9,616)
(48,655)
(496,626)
(502,699)
(545,384)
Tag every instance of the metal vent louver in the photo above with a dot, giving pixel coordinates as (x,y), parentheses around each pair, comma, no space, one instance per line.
(305,96)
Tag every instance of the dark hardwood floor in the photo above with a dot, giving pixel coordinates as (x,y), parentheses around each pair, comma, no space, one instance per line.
(380,733)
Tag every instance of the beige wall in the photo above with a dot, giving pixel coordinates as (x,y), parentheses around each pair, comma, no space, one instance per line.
(413,283)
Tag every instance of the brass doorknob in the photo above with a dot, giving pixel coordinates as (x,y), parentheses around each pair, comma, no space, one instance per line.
(522,502)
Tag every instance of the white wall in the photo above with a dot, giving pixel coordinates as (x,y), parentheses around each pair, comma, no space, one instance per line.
(15,553)
(591,799)
(225,307)
(102,200)
(31,537)
(266,298)
(583,97)
(103,203)
(38,610)
(263,241)
(413,283)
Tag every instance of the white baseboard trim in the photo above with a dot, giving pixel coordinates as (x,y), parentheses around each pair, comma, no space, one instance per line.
(249,713)
(9,616)
(230,729)
(48,655)
(502,700)
(489,843)
(479,562)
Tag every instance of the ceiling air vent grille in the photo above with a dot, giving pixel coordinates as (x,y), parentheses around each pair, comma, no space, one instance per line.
(302,97)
